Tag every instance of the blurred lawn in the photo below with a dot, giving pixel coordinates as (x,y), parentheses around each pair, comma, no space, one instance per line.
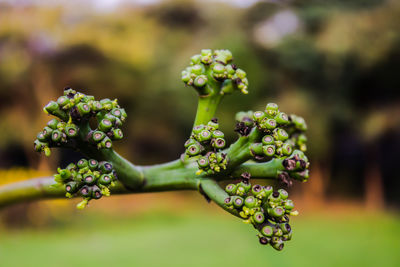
(159,239)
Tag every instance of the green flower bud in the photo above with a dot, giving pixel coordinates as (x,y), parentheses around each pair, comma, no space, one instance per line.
(218,134)
(116,112)
(218,143)
(203,162)
(283,194)
(189,142)
(256,189)
(268,190)
(107,104)
(200,81)
(246,185)
(41,137)
(196,69)
(71,167)
(241,74)
(105,179)
(218,68)
(83,109)
(71,130)
(285,227)
(269,150)
(250,202)
(51,107)
(89,178)
(65,173)
(82,163)
(282,118)
(63,101)
(263,240)
(231,189)
(228,201)
(258,217)
(56,136)
(198,128)
(195,59)
(96,106)
(268,140)
(274,197)
(287,237)
(256,149)
(276,212)
(271,106)
(105,125)
(278,245)
(96,192)
(105,167)
(47,132)
(259,116)
(223,56)
(237,201)
(288,204)
(268,124)
(213,124)
(280,134)
(193,149)
(53,123)
(71,187)
(93,164)
(86,191)
(286,149)
(204,135)
(267,230)
(185,76)
(106,143)
(110,117)
(240,191)
(97,136)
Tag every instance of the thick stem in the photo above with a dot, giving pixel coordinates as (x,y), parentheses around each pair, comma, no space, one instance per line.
(206,108)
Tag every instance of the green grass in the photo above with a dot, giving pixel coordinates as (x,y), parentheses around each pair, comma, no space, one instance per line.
(159,239)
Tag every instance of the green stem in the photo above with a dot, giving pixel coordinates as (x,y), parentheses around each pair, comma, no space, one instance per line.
(206,108)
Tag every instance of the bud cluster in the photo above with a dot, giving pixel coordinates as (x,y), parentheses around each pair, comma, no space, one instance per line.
(206,141)
(73,109)
(297,164)
(88,178)
(213,67)
(267,210)
(283,133)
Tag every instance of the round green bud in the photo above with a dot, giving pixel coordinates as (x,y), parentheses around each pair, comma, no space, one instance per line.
(105,167)
(41,137)
(218,68)
(268,124)
(96,106)
(65,174)
(286,149)
(287,237)
(218,134)
(256,189)
(272,107)
(231,189)
(203,162)
(278,245)
(219,143)
(282,118)
(71,130)
(86,191)
(89,178)
(193,149)
(280,134)
(63,101)
(258,116)
(195,59)
(105,179)
(82,163)
(258,217)
(240,191)
(71,167)
(83,109)
(105,125)
(269,150)
(237,201)
(285,227)
(250,202)
(228,201)
(53,123)
(213,124)
(56,136)
(198,128)
(93,164)
(275,197)
(189,142)
(71,187)
(97,136)
(204,135)
(117,134)
(47,132)
(185,76)
(246,185)
(200,81)
(106,143)
(196,69)
(283,194)
(276,212)
(116,112)
(96,192)
(288,204)
(268,190)
(299,122)
(263,240)
(51,107)
(268,140)
(110,117)
(267,230)
(107,104)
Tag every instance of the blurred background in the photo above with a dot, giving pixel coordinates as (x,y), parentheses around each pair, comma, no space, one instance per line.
(336,63)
